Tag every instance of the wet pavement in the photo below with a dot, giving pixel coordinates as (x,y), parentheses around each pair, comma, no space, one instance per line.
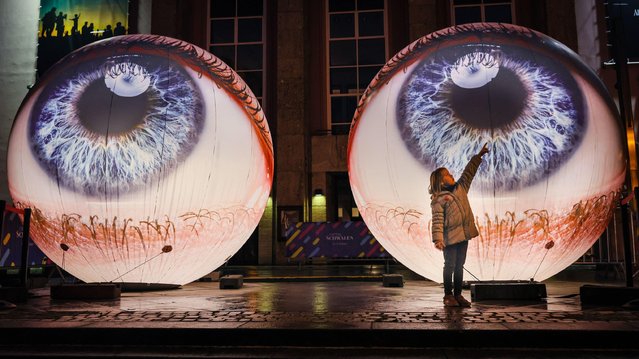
(351,315)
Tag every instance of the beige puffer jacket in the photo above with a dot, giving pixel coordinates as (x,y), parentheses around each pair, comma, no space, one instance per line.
(453,219)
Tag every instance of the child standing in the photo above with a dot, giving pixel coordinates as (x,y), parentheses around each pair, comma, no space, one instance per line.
(453,224)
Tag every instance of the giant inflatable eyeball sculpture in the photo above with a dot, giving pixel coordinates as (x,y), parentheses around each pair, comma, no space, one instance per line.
(144,159)
(546,190)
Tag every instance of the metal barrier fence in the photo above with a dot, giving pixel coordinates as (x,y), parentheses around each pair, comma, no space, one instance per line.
(609,247)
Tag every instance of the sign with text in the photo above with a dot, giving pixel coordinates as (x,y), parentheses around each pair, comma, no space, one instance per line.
(332,240)
(627,11)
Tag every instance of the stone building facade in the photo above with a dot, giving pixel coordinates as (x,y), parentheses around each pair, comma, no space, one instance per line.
(295,75)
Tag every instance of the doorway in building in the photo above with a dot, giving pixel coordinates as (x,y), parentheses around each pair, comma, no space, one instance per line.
(247,255)
(340,204)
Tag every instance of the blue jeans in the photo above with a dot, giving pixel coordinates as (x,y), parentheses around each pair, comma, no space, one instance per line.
(454,259)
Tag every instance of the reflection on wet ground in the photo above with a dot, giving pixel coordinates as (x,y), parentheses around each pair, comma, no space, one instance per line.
(301,303)
(345,313)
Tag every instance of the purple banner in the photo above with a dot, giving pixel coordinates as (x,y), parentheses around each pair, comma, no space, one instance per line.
(332,240)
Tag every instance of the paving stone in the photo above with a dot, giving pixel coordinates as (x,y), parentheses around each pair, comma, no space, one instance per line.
(224,307)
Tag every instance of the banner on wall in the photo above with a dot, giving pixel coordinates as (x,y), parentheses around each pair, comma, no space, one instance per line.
(67,25)
(11,245)
(332,240)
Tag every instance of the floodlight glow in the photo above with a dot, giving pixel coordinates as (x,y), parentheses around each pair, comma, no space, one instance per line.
(145,159)
(546,190)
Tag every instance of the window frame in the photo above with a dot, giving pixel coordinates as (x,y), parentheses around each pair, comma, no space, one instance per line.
(482,7)
(327,42)
(235,43)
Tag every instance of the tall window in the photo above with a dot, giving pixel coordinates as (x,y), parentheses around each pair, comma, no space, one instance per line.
(466,11)
(356,52)
(237,32)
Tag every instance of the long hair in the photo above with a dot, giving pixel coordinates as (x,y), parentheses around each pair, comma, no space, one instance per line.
(436,182)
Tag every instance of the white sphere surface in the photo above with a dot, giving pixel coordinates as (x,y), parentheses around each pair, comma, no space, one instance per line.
(147,157)
(546,190)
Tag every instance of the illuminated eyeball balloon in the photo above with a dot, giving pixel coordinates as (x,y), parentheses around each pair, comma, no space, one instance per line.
(545,191)
(145,159)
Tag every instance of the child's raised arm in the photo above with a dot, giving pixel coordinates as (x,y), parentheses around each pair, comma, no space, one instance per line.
(471,168)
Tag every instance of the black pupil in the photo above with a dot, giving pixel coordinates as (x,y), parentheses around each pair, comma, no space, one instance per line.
(494,105)
(103,112)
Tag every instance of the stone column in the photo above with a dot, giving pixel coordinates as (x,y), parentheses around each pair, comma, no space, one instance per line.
(18,46)
(291,143)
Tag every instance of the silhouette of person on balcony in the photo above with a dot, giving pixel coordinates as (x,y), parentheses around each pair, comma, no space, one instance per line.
(59,24)
(107,32)
(74,29)
(119,29)
(48,22)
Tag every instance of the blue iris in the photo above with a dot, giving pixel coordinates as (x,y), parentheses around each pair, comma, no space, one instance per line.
(95,142)
(532,113)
